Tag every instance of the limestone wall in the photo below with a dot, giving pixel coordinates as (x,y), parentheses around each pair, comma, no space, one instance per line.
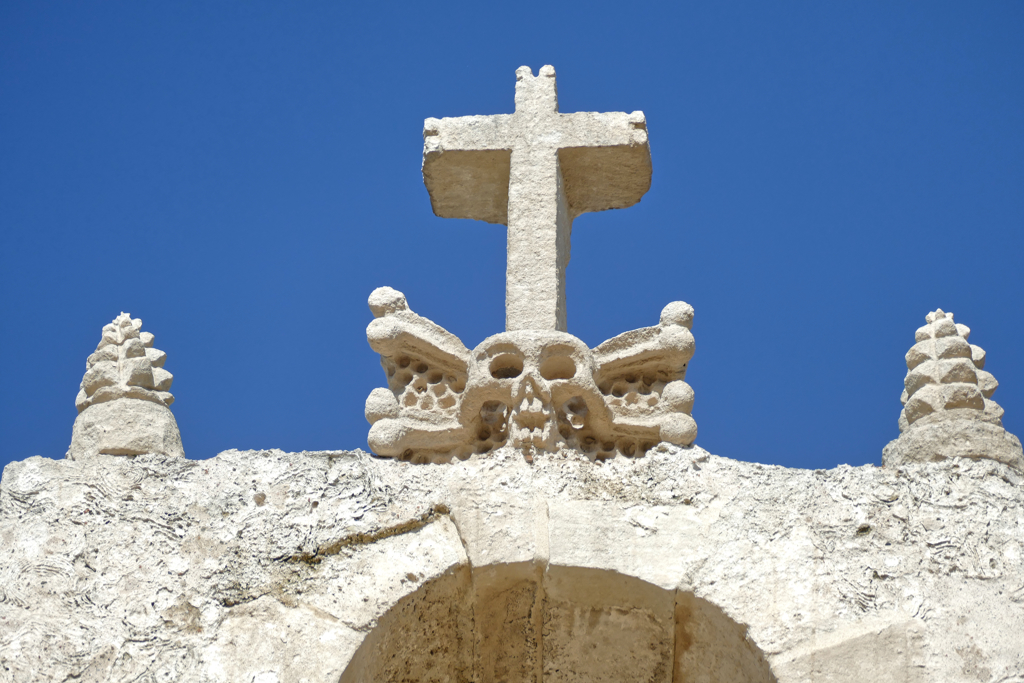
(679,566)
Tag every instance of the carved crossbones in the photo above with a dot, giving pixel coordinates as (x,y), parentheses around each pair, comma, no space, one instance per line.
(536,390)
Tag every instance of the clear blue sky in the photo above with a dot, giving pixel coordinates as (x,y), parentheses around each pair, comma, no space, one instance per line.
(242,175)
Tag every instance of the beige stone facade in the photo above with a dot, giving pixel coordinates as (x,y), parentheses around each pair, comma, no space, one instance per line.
(678,566)
(535,510)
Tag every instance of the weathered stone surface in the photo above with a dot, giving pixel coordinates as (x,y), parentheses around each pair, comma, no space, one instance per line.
(952,436)
(680,566)
(948,411)
(126,426)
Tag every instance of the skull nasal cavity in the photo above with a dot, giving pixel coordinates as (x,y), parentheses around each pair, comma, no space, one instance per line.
(558,367)
(506,367)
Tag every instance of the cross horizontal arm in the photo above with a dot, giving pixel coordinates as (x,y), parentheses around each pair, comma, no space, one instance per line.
(466,164)
(605,160)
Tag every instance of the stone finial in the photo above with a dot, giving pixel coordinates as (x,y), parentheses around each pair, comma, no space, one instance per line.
(124,398)
(948,408)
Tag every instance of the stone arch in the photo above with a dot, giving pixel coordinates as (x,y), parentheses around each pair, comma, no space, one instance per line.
(522,622)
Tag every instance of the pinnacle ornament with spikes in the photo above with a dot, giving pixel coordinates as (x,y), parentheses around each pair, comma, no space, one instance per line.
(948,408)
(123,402)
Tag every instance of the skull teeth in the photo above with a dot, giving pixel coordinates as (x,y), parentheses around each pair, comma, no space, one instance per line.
(531,405)
(539,437)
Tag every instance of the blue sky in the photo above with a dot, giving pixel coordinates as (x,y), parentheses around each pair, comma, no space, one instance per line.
(242,175)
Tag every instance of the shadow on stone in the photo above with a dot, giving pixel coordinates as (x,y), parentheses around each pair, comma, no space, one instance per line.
(521,622)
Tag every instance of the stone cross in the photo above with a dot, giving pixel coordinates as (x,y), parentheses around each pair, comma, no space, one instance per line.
(534,387)
(535,170)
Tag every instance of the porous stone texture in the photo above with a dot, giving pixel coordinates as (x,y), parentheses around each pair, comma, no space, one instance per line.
(535,390)
(535,170)
(680,566)
(948,408)
(123,400)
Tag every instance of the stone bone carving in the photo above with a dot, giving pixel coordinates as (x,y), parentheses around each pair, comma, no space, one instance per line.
(948,408)
(537,390)
(534,386)
(123,400)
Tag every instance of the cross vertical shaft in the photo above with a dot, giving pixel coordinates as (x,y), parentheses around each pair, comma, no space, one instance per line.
(539,223)
(539,226)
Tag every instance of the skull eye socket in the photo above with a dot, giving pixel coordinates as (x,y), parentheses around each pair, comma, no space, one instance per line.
(558,367)
(506,367)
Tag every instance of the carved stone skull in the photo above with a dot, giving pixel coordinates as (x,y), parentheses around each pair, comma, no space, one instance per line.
(531,388)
